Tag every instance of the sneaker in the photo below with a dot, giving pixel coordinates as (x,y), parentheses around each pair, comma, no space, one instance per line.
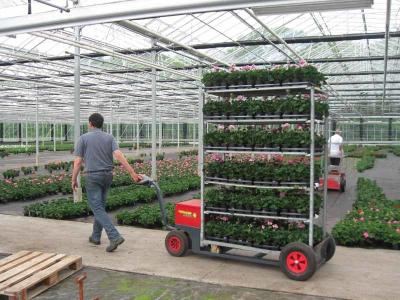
(94,242)
(114,244)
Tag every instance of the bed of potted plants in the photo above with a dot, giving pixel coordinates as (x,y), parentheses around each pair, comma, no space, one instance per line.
(374,220)
(289,203)
(283,138)
(11,174)
(262,107)
(260,170)
(251,76)
(260,233)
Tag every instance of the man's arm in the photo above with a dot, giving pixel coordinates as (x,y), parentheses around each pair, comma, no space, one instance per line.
(77,167)
(118,155)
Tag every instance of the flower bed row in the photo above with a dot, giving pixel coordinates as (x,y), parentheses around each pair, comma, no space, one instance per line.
(373,222)
(261,169)
(250,75)
(270,106)
(118,197)
(261,201)
(251,137)
(146,215)
(259,233)
(57,166)
(40,186)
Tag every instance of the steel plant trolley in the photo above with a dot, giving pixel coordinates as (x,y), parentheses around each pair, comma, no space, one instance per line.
(297,260)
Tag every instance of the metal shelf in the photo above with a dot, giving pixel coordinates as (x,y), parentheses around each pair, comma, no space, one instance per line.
(249,151)
(264,90)
(233,214)
(278,187)
(248,120)
(237,246)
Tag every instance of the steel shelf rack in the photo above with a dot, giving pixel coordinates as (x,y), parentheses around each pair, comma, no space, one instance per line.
(309,187)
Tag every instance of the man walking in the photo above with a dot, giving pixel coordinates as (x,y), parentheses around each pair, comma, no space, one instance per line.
(96,150)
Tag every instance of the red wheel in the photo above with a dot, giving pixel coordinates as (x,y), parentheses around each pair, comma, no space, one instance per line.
(177,243)
(298,261)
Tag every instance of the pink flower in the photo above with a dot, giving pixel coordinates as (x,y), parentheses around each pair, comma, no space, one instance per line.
(285,126)
(275,226)
(362,219)
(221,127)
(303,63)
(360,212)
(299,127)
(301,225)
(231,127)
(240,98)
(232,68)
(398,230)
(215,68)
(365,235)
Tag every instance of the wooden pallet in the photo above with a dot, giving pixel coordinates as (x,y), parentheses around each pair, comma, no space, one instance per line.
(26,274)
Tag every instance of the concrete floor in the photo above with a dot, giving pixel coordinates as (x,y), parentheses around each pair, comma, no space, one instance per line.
(113,285)
(351,274)
(24,160)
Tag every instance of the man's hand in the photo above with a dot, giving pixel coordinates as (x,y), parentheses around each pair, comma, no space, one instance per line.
(74,185)
(136,177)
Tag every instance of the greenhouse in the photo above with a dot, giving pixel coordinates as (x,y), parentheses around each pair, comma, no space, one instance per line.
(229,149)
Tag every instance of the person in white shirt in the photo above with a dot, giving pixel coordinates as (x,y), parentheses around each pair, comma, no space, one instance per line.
(336,148)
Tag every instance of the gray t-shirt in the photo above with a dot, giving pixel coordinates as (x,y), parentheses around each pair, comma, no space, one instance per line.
(96,148)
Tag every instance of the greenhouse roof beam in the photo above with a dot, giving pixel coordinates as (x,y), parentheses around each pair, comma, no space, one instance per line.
(171,43)
(387,35)
(117,11)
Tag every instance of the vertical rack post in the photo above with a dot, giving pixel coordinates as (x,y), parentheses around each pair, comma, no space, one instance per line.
(312,154)
(37,131)
(201,157)
(326,149)
(153,115)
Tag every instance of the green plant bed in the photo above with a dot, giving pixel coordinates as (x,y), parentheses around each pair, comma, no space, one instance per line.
(259,233)
(365,163)
(11,174)
(395,150)
(261,201)
(252,107)
(250,169)
(146,215)
(373,222)
(118,197)
(187,153)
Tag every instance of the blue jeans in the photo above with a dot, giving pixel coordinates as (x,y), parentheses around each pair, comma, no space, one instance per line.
(97,185)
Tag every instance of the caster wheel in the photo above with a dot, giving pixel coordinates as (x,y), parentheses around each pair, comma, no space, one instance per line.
(329,248)
(177,243)
(298,261)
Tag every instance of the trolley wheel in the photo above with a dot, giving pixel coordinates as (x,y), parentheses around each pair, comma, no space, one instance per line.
(342,185)
(298,261)
(329,248)
(177,243)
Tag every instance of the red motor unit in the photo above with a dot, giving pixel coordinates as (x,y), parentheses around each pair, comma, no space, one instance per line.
(187,213)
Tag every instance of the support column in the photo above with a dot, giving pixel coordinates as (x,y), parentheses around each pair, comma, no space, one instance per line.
(153,116)
(26,134)
(20,132)
(137,129)
(178,133)
(77,96)
(1,132)
(118,131)
(65,132)
(37,131)
(54,138)
(110,128)
(361,129)
(390,129)
(160,134)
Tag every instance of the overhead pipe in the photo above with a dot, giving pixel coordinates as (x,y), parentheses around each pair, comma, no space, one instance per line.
(117,11)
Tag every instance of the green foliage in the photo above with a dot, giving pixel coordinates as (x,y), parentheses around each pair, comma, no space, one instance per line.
(365,163)
(187,153)
(295,170)
(373,222)
(146,215)
(259,106)
(261,138)
(10,174)
(118,197)
(259,233)
(27,170)
(278,75)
